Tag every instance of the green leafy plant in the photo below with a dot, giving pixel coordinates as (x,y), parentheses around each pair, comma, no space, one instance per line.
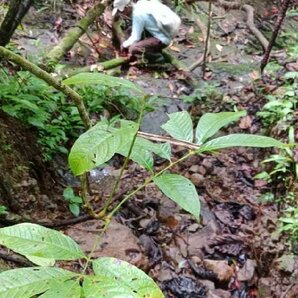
(99,144)
(289,222)
(112,277)
(115,278)
(282,168)
(32,101)
(206,92)
(74,202)
(3,210)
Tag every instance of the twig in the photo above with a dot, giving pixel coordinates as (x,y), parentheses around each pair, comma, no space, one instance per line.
(279,21)
(43,75)
(251,26)
(15,259)
(206,49)
(203,28)
(158,138)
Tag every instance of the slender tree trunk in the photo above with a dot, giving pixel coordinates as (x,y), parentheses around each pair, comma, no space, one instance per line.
(16,12)
(278,23)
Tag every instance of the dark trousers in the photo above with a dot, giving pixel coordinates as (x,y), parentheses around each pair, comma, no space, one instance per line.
(146,46)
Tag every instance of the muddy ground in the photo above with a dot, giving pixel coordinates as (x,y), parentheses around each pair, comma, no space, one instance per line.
(235,251)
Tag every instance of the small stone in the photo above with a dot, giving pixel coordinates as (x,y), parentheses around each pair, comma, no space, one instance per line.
(201,170)
(208,284)
(218,293)
(247,272)
(194,168)
(197,179)
(207,164)
(221,268)
(193,228)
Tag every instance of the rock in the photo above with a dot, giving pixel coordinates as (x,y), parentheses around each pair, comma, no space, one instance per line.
(208,284)
(218,293)
(221,268)
(201,170)
(197,179)
(193,228)
(118,241)
(194,168)
(286,263)
(207,164)
(247,272)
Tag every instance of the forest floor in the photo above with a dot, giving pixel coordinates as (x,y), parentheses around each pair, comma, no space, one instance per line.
(236,250)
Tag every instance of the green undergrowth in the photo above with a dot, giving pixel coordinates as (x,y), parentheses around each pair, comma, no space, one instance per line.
(56,119)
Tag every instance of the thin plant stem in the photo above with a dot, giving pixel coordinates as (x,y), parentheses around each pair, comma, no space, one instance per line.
(116,185)
(112,213)
(149,180)
(207,39)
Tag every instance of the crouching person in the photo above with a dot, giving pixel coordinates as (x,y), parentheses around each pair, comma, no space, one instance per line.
(154,25)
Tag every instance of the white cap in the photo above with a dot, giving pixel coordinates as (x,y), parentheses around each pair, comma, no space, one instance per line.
(119,5)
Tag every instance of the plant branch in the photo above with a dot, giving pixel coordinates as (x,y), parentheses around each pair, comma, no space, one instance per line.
(276,30)
(149,180)
(72,36)
(159,138)
(111,214)
(206,49)
(115,187)
(45,76)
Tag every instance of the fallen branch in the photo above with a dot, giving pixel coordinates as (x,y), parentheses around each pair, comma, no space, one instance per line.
(175,62)
(72,36)
(203,29)
(98,67)
(15,259)
(251,26)
(57,84)
(250,19)
(158,138)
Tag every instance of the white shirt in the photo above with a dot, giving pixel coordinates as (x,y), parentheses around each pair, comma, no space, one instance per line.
(144,17)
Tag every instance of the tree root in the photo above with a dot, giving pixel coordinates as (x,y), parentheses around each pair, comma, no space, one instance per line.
(251,26)
(250,19)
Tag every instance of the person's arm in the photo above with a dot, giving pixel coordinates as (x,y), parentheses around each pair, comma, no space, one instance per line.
(137,30)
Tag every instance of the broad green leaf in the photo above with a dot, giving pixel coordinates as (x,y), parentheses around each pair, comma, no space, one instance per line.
(27,282)
(37,241)
(118,279)
(180,190)
(43,262)
(139,155)
(241,140)
(162,150)
(210,123)
(99,144)
(102,79)
(65,289)
(142,152)
(179,126)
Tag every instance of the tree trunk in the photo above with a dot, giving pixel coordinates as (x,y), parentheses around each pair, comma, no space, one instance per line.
(16,12)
